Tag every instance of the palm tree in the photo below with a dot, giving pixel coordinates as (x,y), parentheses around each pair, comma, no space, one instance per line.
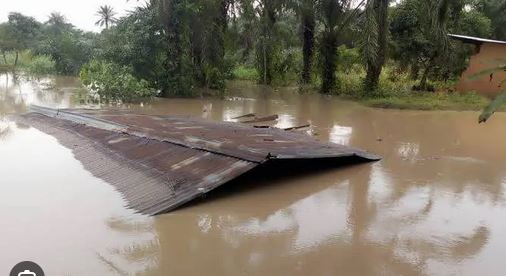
(375,41)
(306,9)
(335,15)
(268,13)
(106,14)
(436,15)
(57,23)
(56,19)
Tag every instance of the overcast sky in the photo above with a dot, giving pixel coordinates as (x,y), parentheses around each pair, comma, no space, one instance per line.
(81,13)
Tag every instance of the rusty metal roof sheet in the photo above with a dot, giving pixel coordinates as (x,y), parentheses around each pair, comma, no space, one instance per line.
(159,163)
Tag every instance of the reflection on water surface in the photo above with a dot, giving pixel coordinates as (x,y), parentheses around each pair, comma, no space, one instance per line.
(434,205)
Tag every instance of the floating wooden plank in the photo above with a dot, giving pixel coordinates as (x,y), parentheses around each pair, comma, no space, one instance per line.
(159,163)
(263,119)
(249,115)
(296,127)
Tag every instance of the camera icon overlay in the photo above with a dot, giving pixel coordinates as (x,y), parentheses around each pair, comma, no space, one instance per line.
(27,268)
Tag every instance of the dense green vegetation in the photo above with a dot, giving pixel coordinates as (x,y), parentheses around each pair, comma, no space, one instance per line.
(110,81)
(385,52)
(56,43)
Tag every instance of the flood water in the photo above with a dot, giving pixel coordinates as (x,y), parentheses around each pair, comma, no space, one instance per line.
(435,204)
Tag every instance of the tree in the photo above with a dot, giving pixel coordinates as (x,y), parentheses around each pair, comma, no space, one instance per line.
(69,50)
(57,19)
(420,30)
(268,12)
(23,31)
(435,30)
(174,17)
(334,15)
(306,10)
(174,44)
(68,47)
(57,24)
(247,22)
(7,42)
(409,46)
(136,41)
(107,16)
(468,22)
(374,47)
(208,30)
(495,11)
(415,41)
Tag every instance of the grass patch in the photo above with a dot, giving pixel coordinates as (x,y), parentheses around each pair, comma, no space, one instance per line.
(6,68)
(395,91)
(430,101)
(24,58)
(33,64)
(245,73)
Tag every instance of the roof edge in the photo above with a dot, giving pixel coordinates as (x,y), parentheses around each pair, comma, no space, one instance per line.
(475,40)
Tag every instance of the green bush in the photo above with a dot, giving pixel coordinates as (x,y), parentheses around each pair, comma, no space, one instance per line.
(391,83)
(287,66)
(112,82)
(41,65)
(69,49)
(350,84)
(348,59)
(245,73)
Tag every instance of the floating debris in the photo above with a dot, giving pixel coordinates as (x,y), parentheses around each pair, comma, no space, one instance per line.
(249,115)
(263,119)
(297,127)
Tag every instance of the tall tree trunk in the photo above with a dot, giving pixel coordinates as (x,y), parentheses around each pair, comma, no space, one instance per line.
(216,55)
(328,51)
(248,15)
(374,67)
(415,69)
(16,59)
(177,81)
(264,57)
(197,55)
(308,25)
(219,30)
(425,75)
(265,49)
(223,23)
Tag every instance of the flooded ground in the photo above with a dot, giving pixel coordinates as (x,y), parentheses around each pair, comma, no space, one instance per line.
(435,205)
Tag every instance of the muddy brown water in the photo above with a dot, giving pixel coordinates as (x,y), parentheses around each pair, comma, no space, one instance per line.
(435,205)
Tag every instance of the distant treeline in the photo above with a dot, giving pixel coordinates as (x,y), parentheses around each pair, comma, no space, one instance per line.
(174,46)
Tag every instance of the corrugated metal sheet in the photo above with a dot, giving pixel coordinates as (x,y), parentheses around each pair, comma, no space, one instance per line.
(228,138)
(159,163)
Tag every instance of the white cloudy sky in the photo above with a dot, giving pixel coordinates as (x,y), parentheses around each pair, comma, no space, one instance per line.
(80,13)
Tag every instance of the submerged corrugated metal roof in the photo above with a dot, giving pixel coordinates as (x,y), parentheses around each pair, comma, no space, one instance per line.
(475,40)
(159,163)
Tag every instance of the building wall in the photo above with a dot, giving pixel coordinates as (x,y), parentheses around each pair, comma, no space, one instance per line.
(485,85)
